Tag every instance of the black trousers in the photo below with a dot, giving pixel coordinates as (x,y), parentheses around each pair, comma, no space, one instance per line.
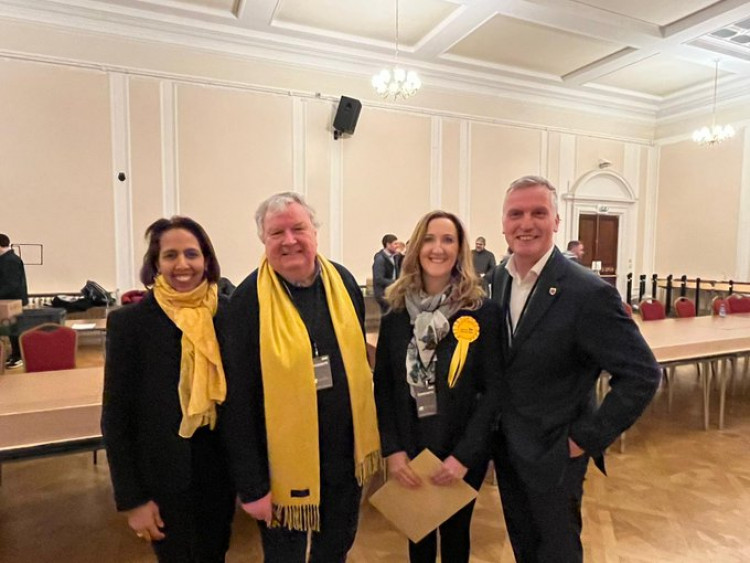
(455,540)
(339,517)
(15,348)
(543,526)
(198,522)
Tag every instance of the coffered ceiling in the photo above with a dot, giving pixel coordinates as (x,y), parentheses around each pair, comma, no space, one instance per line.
(652,57)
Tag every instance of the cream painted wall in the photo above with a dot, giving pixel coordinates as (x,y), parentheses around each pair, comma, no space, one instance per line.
(234,150)
(697,219)
(55,172)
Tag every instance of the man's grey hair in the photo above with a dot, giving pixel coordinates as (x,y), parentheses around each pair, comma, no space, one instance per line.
(532,181)
(481,239)
(278,202)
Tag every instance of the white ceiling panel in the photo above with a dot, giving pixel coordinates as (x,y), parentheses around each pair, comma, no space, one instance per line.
(659,75)
(369,19)
(512,42)
(659,12)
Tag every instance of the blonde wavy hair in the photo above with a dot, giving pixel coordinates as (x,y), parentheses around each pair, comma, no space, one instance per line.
(466,288)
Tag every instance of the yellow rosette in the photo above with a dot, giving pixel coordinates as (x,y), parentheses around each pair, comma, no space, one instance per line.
(466,331)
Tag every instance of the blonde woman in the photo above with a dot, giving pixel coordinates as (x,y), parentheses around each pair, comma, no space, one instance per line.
(437,370)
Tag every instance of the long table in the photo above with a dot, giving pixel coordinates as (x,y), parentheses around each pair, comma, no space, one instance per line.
(700,339)
(47,413)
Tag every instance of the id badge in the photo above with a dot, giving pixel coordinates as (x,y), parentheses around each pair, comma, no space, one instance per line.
(323,375)
(426,401)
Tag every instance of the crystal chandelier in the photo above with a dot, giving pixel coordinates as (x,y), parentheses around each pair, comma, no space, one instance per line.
(716,133)
(396,82)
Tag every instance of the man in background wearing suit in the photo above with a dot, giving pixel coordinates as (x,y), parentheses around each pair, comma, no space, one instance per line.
(563,326)
(385,267)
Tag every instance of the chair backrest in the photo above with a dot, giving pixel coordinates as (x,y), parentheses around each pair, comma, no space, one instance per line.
(716,304)
(49,347)
(628,309)
(652,310)
(738,304)
(684,307)
(132,296)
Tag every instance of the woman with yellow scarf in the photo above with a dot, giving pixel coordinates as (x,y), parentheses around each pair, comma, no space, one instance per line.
(437,370)
(163,381)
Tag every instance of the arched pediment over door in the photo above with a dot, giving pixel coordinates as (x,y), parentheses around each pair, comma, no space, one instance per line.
(607,193)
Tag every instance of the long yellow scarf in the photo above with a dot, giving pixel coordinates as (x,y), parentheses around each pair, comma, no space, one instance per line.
(202,383)
(291,401)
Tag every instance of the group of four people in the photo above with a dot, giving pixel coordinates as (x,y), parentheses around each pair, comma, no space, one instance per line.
(270,398)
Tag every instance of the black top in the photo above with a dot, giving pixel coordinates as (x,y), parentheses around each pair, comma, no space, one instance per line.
(243,420)
(13,278)
(466,412)
(141,411)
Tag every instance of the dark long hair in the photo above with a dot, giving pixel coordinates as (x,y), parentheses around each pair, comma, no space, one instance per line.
(154,232)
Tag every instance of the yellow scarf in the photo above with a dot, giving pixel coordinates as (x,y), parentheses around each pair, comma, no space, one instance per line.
(202,383)
(291,400)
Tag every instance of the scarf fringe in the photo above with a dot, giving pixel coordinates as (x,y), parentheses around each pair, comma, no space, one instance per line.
(372,463)
(302,518)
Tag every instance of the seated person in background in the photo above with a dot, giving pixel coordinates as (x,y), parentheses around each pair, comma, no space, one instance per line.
(163,380)
(439,341)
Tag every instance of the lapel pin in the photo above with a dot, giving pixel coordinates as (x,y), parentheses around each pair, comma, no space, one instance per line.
(552,290)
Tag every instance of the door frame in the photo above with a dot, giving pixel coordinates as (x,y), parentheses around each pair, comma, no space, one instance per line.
(608,193)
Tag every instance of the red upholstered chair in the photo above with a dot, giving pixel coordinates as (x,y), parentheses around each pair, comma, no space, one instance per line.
(132,296)
(652,310)
(716,303)
(738,304)
(49,347)
(684,307)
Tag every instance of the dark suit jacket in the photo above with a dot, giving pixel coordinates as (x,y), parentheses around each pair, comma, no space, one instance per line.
(465,413)
(383,273)
(573,328)
(141,408)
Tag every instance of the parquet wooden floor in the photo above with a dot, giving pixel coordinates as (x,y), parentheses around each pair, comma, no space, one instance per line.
(677,494)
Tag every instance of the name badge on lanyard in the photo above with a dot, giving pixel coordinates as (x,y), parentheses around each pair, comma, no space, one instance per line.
(426,401)
(323,375)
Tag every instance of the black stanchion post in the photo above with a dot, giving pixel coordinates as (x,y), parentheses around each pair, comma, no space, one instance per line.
(668,304)
(683,285)
(654,280)
(731,287)
(629,288)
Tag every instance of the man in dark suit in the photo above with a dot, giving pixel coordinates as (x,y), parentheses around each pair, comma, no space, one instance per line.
(12,286)
(562,327)
(385,267)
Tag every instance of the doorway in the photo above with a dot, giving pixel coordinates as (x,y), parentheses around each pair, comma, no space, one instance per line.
(600,237)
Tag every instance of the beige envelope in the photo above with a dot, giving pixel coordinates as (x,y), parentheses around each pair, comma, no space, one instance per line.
(416,512)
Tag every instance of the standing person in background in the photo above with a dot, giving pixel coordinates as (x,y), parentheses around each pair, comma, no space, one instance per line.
(575,251)
(483,259)
(385,267)
(436,374)
(300,423)
(12,286)
(163,381)
(562,326)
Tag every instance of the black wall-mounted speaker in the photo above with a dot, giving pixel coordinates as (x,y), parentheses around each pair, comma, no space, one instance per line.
(347,115)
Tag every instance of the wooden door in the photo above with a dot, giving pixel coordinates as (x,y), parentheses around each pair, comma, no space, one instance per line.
(599,235)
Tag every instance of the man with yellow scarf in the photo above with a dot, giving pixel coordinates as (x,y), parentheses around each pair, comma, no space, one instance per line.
(299,419)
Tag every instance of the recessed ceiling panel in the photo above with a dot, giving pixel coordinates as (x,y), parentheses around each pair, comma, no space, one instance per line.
(221,5)
(516,43)
(659,12)
(371,19)
(659,75)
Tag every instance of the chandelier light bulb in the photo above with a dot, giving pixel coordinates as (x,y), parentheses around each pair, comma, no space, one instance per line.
(396,82)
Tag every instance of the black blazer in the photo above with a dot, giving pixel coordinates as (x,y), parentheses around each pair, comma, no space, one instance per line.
(383,272)
(141,407)
(573,328)
(466,412)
